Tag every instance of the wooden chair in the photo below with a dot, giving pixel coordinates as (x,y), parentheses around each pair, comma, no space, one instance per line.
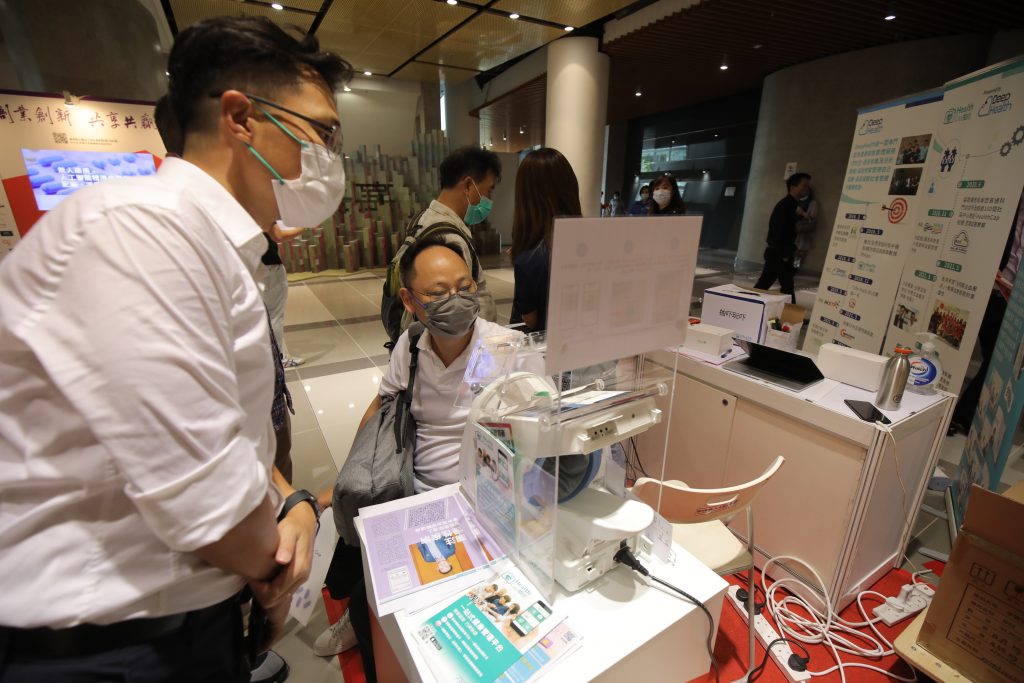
(699,517)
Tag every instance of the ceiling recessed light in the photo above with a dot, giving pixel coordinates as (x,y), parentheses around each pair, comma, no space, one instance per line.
(276,5)
(569,29)
(347,89)
(890,12)
(167,73)
(367,73)
(724,67)
(757,46)
(504,138)
(453,2)
(638,93)
(890,16)
(513,16)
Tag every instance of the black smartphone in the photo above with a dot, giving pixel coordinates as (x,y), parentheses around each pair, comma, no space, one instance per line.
(867,412)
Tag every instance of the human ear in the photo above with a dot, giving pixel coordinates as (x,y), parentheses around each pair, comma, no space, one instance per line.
(236,114)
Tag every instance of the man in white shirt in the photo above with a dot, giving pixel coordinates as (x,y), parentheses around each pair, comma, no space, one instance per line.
(440,292)
(136,382)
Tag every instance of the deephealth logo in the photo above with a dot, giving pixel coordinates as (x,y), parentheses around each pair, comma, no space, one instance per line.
(995,103)
(957,114)
(869,126)
(866,266)
(838,272)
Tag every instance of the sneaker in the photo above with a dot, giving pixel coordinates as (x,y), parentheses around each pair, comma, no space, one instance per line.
(338,637)
(292,362)
(271,668)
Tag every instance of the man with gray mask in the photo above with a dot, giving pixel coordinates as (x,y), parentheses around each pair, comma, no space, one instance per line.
(439,291)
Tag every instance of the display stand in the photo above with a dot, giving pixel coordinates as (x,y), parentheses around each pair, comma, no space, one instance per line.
(845,501)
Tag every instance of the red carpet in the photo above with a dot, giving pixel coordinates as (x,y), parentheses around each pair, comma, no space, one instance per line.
(731,646)
(351,661)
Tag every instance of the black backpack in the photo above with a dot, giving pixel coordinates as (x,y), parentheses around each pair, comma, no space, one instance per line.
(391,309)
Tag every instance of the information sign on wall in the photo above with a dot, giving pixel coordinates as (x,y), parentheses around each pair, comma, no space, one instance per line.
(52,146)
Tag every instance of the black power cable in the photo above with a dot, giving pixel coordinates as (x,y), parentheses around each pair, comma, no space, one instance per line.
(625,556)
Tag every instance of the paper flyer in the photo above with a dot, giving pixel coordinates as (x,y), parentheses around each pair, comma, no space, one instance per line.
(423,544)
(540,658)
(495,496)
(308,594)
(487,630)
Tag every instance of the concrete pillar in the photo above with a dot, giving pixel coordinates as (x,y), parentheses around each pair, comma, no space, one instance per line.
(577,105)
(459,100)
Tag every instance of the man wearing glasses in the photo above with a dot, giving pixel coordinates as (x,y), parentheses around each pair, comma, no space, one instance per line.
(136,381)
(439,290)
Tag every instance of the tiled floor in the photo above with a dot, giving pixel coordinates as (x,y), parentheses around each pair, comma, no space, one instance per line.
(334,325)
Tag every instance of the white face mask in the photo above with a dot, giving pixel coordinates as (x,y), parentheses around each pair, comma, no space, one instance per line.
(662,197)
(312,198)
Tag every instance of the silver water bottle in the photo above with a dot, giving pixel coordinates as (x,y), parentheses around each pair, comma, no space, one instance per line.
(894,380)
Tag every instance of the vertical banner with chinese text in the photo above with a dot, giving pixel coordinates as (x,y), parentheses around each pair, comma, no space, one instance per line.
(892,144)
(971,189)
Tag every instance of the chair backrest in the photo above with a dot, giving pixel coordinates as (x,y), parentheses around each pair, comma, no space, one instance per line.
(681,504)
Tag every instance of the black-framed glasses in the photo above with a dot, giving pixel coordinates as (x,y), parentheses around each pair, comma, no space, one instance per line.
(330,135)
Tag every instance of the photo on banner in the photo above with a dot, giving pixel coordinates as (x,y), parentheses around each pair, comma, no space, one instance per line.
(969,190)
(877,207)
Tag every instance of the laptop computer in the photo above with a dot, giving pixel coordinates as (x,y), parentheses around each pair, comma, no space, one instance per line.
(775,366)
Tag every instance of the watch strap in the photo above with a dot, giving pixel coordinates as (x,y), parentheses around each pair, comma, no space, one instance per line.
(297,497)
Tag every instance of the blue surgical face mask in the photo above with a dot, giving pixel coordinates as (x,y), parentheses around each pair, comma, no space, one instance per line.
(478,213)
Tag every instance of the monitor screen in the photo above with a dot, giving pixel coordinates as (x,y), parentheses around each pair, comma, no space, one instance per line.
(54,174)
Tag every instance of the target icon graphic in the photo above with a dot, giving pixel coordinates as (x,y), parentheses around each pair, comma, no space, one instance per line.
(897,210)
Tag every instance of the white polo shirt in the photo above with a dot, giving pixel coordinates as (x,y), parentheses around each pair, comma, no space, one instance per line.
(439,422)
(135,391)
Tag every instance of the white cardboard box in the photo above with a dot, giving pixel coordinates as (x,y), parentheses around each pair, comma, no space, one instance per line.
(744,311)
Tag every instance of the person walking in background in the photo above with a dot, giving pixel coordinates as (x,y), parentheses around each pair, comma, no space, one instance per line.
(665,197)
(615,204)
(642,206)
(778,256)
(546,188)
(806,225)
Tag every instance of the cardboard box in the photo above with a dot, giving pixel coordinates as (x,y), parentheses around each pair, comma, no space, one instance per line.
(976,620)
(792,316)
(744,311)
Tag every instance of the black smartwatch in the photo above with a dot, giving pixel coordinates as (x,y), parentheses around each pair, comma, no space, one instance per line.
(300,496)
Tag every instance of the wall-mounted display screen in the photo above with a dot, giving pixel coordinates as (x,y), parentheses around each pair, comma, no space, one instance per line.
(54,174)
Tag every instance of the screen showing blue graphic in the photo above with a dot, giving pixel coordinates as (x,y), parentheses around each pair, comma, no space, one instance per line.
(54,174)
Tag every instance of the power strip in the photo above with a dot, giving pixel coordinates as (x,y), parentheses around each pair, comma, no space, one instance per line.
(913,598)
(766,633)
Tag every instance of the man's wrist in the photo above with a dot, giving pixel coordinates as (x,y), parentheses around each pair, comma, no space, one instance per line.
(300,497)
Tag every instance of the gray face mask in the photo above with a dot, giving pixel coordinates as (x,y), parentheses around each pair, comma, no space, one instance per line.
(452,317)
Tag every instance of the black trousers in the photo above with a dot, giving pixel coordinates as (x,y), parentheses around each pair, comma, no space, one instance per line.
(345,580)
(778,265)
(208,648)
(988,333)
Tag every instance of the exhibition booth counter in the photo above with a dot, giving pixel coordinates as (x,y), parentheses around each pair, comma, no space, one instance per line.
(619,628)
(845,501)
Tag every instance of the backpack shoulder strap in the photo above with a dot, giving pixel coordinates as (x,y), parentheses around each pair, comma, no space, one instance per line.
(404,399)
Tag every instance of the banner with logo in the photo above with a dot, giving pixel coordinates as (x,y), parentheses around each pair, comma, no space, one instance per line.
(51,146)
(990,443)
(972,182)
(878,204)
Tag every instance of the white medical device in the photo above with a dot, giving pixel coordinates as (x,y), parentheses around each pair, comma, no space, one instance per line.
(591,523)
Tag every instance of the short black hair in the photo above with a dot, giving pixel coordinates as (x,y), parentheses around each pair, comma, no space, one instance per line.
(796,179)
(469,161)
(250,54)
(167,125)
(406,269)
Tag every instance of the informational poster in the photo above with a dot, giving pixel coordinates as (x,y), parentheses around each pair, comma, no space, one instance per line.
(52,145)
(990,442)
(619,287)
(971,186)
(892,144)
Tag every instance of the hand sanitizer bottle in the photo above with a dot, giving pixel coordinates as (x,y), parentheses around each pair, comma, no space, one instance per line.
(925,368)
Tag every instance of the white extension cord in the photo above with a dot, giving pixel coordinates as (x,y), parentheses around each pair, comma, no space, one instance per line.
(821,625)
